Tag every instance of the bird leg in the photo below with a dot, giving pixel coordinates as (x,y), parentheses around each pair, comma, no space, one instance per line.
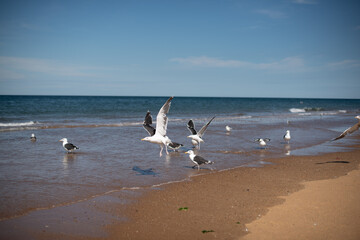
(166,150)
(161,150)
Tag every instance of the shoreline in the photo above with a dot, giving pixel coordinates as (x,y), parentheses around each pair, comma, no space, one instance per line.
(220,205)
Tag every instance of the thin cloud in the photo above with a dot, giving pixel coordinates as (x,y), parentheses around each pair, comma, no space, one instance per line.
(289,63)
(347,63)
(17,67)
(271,13)
(309,2)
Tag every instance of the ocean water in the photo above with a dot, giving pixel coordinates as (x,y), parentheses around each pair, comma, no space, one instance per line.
(41,175)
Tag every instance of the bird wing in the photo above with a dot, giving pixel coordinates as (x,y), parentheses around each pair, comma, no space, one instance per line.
(191,127)
(203,129)
(70,146)
(150,129)
(148,119)
(348,131)
(200,160)
(147,124)
(161,118)
(267,139)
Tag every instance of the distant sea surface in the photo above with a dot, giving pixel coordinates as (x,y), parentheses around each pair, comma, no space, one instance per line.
(112,157)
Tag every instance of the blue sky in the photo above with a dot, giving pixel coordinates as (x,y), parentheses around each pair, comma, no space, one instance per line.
(229,48)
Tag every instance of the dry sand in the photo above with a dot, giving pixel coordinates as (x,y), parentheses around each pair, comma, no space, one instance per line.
(321,202)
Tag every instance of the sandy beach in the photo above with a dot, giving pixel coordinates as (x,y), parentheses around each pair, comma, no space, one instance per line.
(296,197)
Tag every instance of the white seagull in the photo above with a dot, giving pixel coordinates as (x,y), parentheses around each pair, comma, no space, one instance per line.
(287,136)
(33,138)
(350,130)
(68,146)
(196,137)
(228,128)
(198,160)
(262,142)
(158,134)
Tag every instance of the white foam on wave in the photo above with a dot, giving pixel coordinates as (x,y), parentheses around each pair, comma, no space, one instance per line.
(21,124)
(297,110)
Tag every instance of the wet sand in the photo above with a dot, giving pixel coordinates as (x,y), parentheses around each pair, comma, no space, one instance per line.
(296,197)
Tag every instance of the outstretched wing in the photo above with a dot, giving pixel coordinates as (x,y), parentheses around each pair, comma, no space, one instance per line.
(191,127)
(203,129)
(147,124)
(161,118)
(148,118)
(348,131)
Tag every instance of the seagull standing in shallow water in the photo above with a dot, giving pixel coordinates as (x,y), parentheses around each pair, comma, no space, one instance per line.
(33,138)
(262,142)
(287,136)
(228,128)
(196,137)
(158,134)
(350,130)
(197,159)
(69,147)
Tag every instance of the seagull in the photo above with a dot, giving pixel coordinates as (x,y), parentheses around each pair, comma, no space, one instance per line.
(262,142)
(287,136)
(350,130)
(175,146)
(196,137)
(33,138)
(228,128)
(68,146)
(197,159)
(158,134)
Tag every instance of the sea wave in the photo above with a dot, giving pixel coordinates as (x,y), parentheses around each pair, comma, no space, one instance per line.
(306,109)
(297,110)
(21,124)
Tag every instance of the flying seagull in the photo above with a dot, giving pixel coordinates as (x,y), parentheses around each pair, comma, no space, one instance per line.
(350,130)
(68,146)
(158,134)
(198,160)
(196,137)
(287,136)
(262,142)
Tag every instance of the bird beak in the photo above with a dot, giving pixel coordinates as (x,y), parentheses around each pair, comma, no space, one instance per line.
(186,152)
(143,139)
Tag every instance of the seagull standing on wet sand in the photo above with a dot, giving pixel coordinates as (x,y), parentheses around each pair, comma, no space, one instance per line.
(287,136)
(350,130)
(198,160)
(196,137)
(69,147)
(158,134)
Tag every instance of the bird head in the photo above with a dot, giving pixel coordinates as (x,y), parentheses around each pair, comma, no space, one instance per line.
(358,117)
(190,152)
(146,139)
(63,140)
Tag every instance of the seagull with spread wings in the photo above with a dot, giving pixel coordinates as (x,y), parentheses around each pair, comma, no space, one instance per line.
(350,130)
(158,134)
(196,137)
